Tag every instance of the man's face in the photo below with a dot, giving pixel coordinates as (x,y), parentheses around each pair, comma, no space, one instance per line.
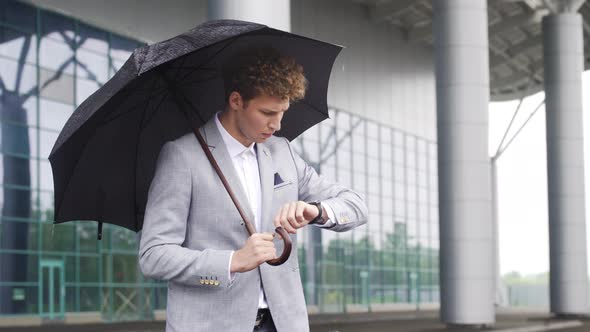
(259,118)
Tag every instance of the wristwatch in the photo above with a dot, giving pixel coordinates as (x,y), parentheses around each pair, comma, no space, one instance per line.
(319,220)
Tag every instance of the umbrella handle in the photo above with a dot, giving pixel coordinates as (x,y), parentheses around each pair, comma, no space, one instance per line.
(286,249)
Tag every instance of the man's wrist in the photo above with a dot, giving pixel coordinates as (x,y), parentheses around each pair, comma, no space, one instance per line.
(319,219)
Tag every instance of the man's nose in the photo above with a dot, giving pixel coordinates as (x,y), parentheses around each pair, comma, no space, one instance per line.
(275,124)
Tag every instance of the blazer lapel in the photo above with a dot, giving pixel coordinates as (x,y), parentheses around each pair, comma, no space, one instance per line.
(266,169)
(221,155)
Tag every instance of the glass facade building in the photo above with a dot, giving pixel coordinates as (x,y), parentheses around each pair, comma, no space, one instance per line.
(50,63)
(394,257)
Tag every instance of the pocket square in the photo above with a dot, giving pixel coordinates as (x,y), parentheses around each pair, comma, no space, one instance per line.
(278,179)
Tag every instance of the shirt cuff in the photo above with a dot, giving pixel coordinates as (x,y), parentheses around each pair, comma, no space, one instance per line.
(231,276)
(330,222)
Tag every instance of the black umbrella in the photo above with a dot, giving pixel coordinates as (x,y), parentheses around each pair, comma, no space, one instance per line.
(104,158)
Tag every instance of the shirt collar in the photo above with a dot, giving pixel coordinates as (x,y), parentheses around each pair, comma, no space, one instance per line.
(234,147)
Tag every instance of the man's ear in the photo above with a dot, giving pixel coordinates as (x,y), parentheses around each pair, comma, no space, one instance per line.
(235,101)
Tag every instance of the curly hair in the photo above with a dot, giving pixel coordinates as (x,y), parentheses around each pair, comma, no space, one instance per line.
(264,71)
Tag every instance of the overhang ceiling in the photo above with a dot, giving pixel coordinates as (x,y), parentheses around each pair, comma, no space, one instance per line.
(515,40)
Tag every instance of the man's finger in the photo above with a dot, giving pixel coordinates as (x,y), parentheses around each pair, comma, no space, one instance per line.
(277,219)
(267,237)
(284,221)
(299,213)
(291,215)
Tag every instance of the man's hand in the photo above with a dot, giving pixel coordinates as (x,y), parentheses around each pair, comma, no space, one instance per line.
(295,215)
(258,249)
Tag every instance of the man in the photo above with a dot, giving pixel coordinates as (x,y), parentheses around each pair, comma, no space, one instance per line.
(193,236)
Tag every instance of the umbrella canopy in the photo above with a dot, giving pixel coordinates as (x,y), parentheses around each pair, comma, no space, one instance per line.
(105,156)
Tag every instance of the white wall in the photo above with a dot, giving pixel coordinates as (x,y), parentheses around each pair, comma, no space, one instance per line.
(378,74)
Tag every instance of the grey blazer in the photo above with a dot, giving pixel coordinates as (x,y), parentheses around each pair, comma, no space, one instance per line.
(191,226)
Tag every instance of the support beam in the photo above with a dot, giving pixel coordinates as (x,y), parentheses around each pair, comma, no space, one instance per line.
(535,73)
(383,11)
(467,277)
(517,21)
(563,54)
(274,13)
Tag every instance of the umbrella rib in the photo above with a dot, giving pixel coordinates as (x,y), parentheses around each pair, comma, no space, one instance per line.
(231,41)
(78,161)
(183,61)
(156,109)
(173,90)
(131,109)
(141,126)
(205,79)
(313,107)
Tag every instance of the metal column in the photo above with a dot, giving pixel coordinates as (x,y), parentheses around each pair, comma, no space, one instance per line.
(465,206)
(274,13)
(563,53)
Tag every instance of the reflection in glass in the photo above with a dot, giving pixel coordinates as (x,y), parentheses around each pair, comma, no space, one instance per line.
(90,38)
(57,86)
(92,66)
(56,56)
(16,179)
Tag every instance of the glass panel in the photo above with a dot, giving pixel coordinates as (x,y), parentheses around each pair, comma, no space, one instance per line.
(90,38)
(124,240)
(125,269)
(89,265)
(374,185)
(92,66)
(18,84)
(57,86)
(359,164)
(87,234)
(47,139)
(16,206)
(56,56)
(90,298)
(46,205)
(60,238)
(18,45)
(23,299)
(373,148)
(54,114)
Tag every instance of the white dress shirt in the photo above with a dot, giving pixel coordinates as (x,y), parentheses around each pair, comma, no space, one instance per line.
(246,165)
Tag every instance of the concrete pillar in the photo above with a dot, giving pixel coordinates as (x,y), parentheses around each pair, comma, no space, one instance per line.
(465,206)
(563,53)
(273,13)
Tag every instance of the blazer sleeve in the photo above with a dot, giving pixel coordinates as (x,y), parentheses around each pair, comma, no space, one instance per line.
(349,207)
(161,252)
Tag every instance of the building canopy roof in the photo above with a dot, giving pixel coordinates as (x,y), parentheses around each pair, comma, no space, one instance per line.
(515,37)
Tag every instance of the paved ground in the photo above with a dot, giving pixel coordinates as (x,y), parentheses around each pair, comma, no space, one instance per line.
(373,322)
